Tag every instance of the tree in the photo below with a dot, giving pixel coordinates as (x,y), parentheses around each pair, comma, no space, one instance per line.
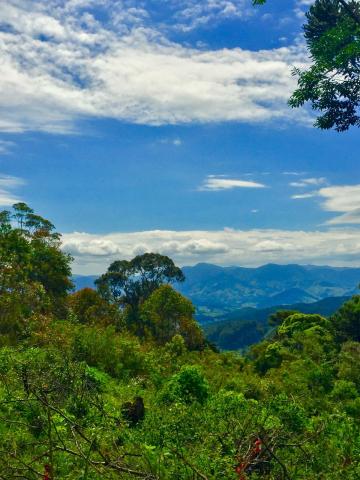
(332,83)
(346,320)
(301,322)
(279,316)
(132,282)
(34,272)
(167,313)
(90,308)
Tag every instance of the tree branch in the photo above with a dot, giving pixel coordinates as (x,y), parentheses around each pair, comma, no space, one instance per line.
(350,11)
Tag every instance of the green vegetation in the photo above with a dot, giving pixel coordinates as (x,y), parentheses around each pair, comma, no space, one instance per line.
(244,327)
(120,382)
(331,84)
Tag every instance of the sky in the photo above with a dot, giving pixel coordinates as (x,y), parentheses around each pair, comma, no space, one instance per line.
(163,125)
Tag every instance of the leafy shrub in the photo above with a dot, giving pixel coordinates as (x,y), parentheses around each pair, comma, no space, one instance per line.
(116,354)
(189,385)
(344,390)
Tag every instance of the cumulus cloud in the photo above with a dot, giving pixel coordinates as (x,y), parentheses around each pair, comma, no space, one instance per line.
(61,64)
(216,183)
(7,185)
(93,253)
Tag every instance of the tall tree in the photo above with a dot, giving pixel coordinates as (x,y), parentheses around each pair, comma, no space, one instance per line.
(34,272)
(131,282)
(167,313)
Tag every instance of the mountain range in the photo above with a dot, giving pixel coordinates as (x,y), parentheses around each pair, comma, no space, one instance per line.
(216,291)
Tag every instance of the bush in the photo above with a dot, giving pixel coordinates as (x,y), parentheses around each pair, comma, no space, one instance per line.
(116,354)
(344,390)
(187,386)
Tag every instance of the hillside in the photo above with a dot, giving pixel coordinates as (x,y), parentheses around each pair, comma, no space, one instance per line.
(241,328)
(121,382)
(216,290)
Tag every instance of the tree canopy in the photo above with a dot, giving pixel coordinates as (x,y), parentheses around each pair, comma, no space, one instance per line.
(332,82)
(85,397)
(167,313)
(131,282)
(34,272)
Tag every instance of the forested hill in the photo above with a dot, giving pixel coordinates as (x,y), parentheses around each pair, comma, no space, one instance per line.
(221,289)
(120,382)
(244,327)
(216,290)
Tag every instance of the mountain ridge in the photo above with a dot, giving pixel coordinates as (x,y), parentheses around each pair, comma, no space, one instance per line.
(217,290)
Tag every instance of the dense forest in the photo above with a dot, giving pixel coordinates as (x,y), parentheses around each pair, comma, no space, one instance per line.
(119,382)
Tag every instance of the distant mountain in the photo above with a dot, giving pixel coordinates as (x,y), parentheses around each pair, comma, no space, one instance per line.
(234,303)
(325,307)
(216,290)
(243,327)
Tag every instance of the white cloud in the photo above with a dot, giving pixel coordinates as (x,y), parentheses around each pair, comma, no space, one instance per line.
(93,253)
(60,65)
(352,217)
(194,14)
(5,146)
(215,183)
(343,199)
(177,142)
(301,7)
(7,184)
(299,196)
(309,182)
(306,3)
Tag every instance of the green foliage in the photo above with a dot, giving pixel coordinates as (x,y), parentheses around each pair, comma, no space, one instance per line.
(331,84)
(117,355)
(344,390)
(348,362)
(270,356)
(279,316)
(34,273)
(347,320)
(167,313)
(131,282)
(90,308)
(300,322)
(84,398)
(189,385)
(235,335)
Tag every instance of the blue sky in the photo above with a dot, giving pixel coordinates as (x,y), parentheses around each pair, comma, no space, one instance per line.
(163,126)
